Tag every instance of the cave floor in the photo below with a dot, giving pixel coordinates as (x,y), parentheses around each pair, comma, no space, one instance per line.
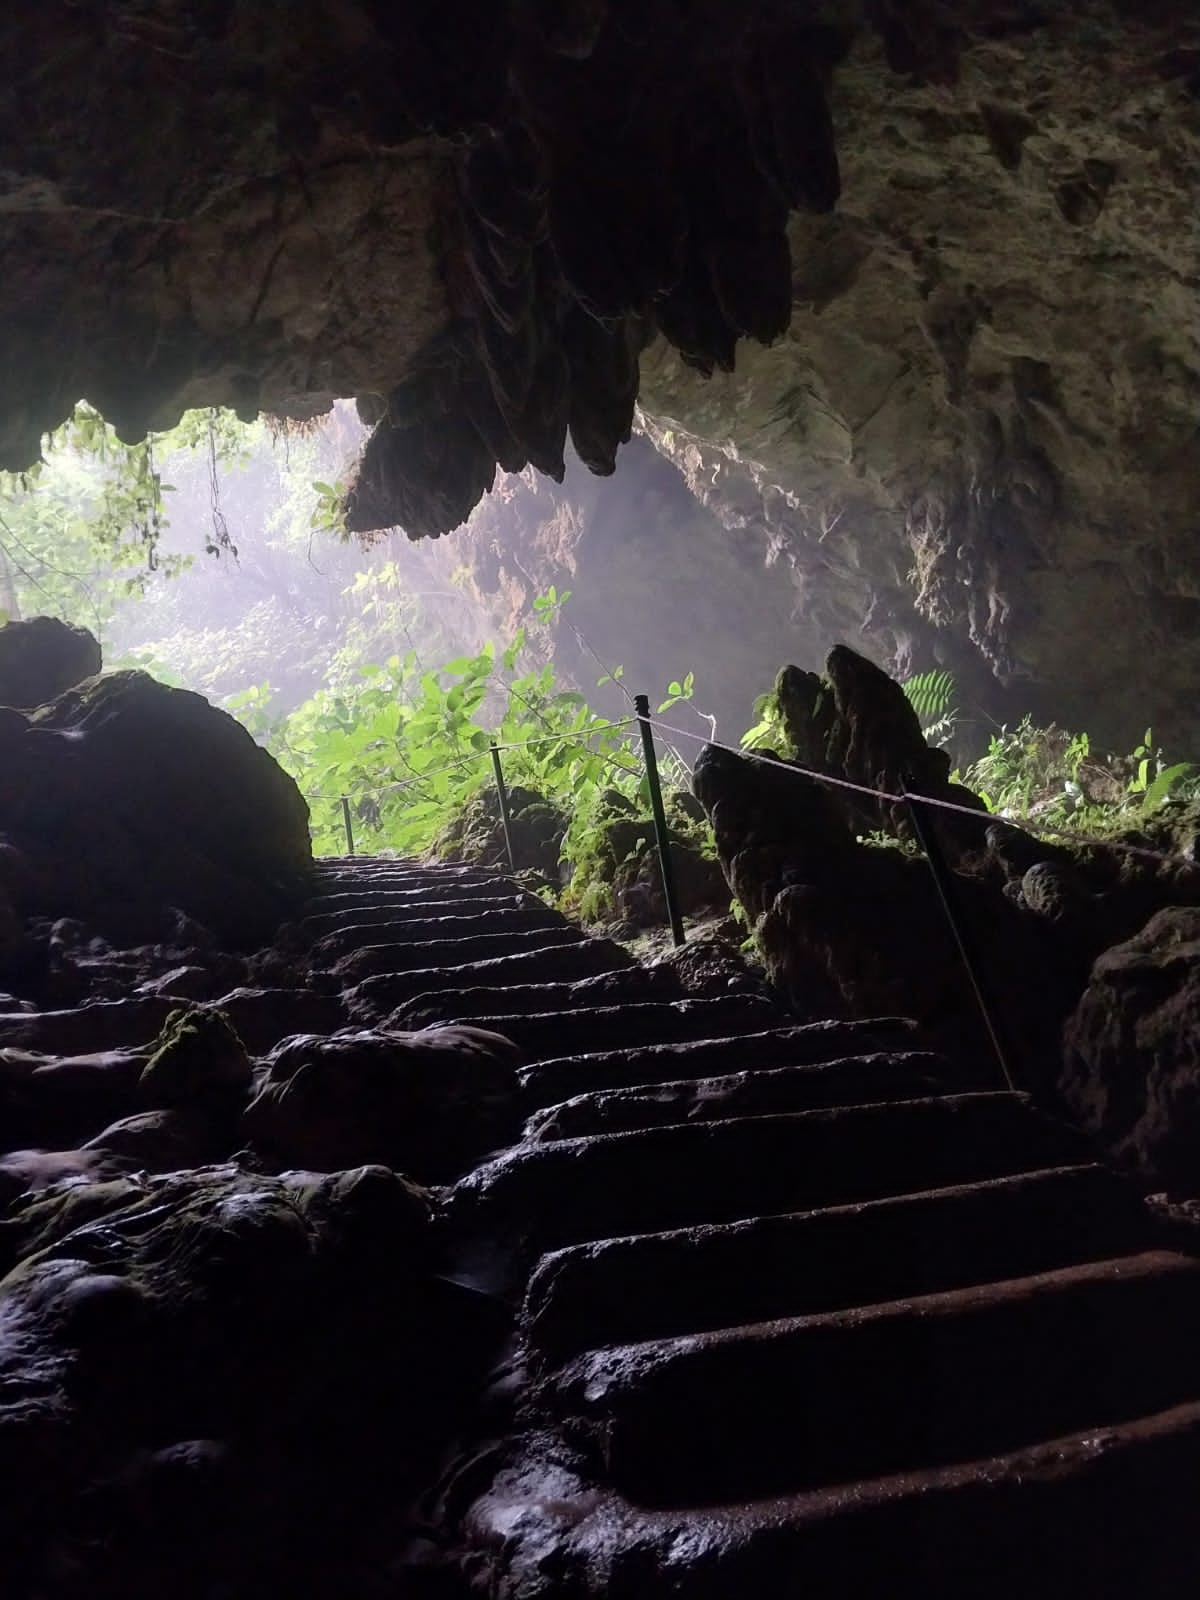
(779,1305)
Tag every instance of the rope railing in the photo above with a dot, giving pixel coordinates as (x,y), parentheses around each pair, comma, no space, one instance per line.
(1031,825)
(580,738)
(918,804)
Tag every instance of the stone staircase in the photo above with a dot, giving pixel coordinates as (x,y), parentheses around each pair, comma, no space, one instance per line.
(800,1310)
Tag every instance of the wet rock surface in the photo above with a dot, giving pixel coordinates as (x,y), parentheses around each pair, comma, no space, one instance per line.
(438,1248)
(210,1377)
(847,923)
(359,1310)
(41,658)
(130,805)
(963,401)
(1131,1070)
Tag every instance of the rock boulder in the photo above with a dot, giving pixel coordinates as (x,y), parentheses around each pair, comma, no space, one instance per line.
(1131,1070)
(124,801)
(42,658)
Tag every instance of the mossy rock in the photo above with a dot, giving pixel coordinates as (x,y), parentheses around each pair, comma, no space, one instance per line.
(476,833)
(198,1055)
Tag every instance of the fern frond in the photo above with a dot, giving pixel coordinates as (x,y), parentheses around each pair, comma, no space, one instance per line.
(931,695)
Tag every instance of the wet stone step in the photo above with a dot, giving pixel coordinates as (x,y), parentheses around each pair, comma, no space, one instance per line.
(421,910)
(102,1025)
(629,984)
(554,1033)
(421,894)
(1099,1512)
(358,868)
(857,1080)
(378,925)
(536,1198)
(414,887)
(889,1388)
(378,960)
(691,1280)
(553,966)
(547,1083)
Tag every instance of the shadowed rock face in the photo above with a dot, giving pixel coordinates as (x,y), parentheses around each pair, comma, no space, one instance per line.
(971,437)
(478,211)
(975,444)
(846,927)
(128,803)
(41,658)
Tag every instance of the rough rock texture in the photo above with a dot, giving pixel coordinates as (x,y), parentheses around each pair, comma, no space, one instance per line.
(425,1103)
(492,223)
(976,441)
(573,168)
(658,586)
(210,203)
(582,1367)
(126,802)
(857,725)
(535,829)
(1131,1071)
(847,927)
(203,1374)
(41,658)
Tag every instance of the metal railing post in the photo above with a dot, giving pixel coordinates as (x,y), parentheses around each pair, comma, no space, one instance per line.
(641,704)
(944,884)
(502,795)
(348,825)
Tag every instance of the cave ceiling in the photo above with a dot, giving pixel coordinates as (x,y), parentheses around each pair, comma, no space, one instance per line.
(912,286)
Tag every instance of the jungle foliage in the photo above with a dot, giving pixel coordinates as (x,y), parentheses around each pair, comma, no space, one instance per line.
(83,529)
(408,748)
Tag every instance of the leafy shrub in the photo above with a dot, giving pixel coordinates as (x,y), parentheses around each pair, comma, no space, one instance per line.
(410,750)
(1052,776)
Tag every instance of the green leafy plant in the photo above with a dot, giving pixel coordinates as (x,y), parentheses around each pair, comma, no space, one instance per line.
(1048,774)
(931,695)
(767,728)
(408,747)
(678,691)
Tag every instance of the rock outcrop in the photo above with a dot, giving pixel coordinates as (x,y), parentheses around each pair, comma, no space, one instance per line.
(43,657)
(127,803)
(210,1375)
(848,924)
(1131,1073)
(583,1359)
(975,444)
(959,407)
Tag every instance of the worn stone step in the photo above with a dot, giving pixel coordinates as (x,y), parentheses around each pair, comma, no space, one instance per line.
(1103,1512)
(77,1030)
(856,1080)
(376,924)
(429,884)
(378,960)
(504,978)
(690,1280)
(410,895)
(552,1081)
(367,866)
(536,1198)
(629,984)
(889,1388)
(422,909)
(555,1033)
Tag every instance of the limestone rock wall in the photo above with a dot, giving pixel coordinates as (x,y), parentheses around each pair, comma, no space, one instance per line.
(659,586)
(977,440)
(956,393)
